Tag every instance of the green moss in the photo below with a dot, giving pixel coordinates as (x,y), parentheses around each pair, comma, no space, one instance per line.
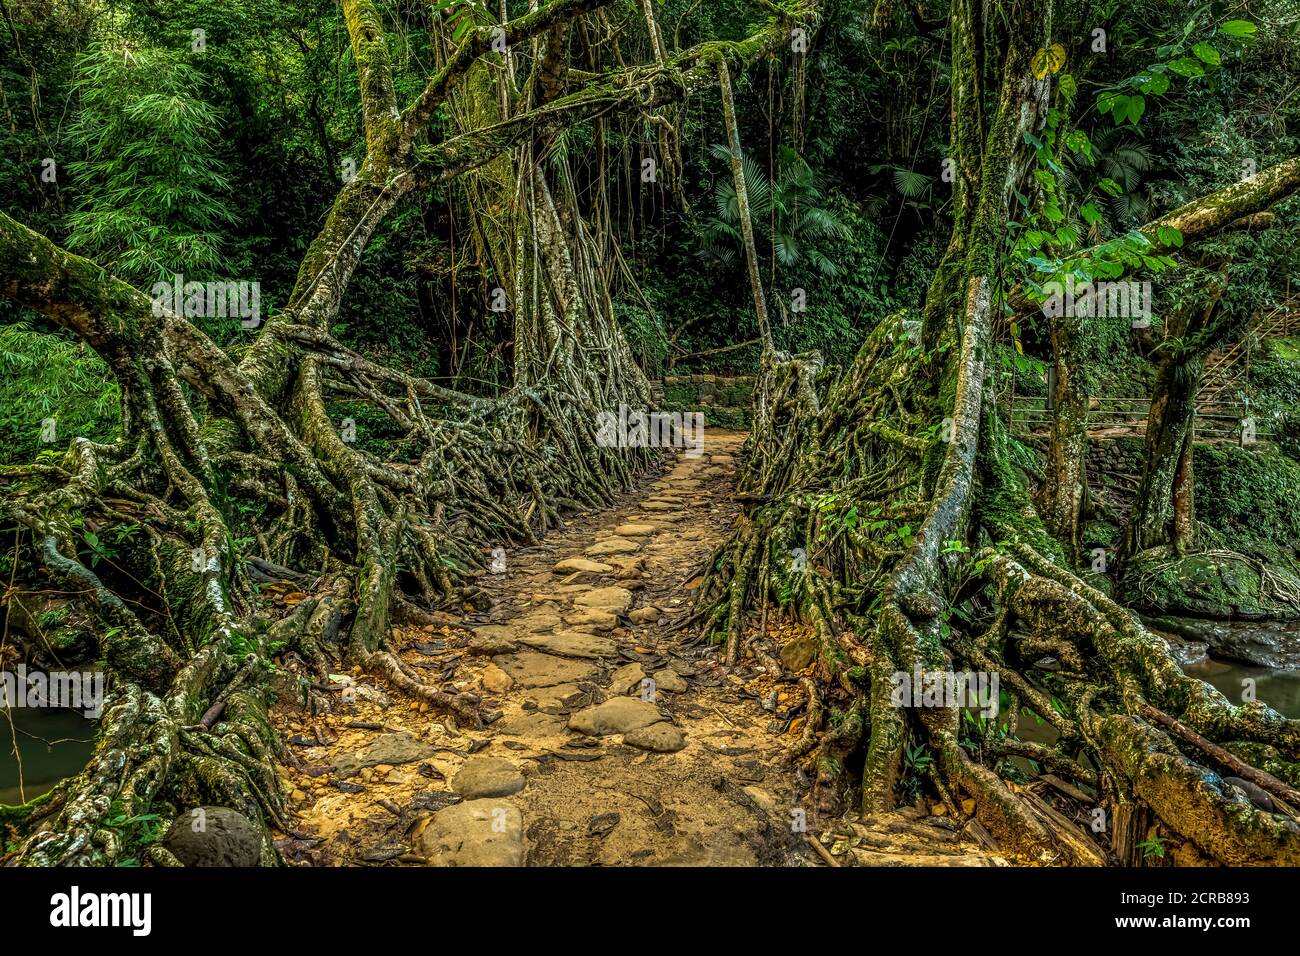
(1203,585)
(13,819)
(738,419)
(1246,502)
(678,397)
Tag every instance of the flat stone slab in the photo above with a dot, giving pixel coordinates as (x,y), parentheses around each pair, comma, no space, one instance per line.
(594,619)
(559,697)
(572,644)
(487,777)
(657,506)
(570,565)
(618,715)
(531,725)
(614,599)
(384,749)
(536,621)
(487,832)
(662,738)
(612,546)
(669,680)
(635,530)
(491,639)
(627,679)
(665,517)
(531,669)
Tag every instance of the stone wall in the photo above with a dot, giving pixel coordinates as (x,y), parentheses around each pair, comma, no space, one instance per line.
(725,401)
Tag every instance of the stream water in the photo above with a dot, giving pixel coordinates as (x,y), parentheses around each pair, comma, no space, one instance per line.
(52,744)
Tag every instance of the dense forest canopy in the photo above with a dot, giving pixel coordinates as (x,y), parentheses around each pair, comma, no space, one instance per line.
(336,291)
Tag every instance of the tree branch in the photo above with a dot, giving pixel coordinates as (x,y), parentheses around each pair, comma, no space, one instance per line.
(374,73)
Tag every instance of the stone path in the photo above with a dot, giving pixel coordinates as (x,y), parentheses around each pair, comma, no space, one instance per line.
(613,742)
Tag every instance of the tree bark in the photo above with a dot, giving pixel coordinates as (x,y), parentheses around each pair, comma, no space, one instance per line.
(742,206)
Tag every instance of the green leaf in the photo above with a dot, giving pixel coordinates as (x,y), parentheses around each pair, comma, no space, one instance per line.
(1090,213)
(1238,28)
(1110,187)
(1206,54)
(1187,67)
(1169,236)
(1137,105)
(1078,142)
(1153,83)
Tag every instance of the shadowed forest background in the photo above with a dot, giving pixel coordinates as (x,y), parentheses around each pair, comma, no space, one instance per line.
(562,224)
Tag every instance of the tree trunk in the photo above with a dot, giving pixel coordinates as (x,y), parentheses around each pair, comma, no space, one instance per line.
(742,206)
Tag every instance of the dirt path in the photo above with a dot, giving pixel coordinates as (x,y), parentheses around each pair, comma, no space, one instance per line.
(616,744)
(613,739)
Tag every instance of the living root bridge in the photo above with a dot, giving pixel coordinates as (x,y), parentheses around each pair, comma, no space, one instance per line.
(889,510)
(196,636)
(216,452)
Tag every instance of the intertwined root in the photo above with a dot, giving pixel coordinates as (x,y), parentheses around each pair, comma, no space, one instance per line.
(881,599)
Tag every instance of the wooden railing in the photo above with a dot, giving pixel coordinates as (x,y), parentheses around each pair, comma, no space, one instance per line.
(1216,420)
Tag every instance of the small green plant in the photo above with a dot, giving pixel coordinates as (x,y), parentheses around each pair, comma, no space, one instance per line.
(135,833)
(917,761)
(1152,847)
(98,549)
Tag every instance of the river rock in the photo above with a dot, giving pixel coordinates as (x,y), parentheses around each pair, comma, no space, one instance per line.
(798,654)
(612,546)
(644,615)
(592,619)
(531,669)
(627,679)
(669,680)
(572,644)
(495,680)
(487,777)
(661,738)
(618,715)
(531,726)
(613,599)
(557,699)
(395,748)
(635,530)
(226,838)
(487,832)
(1274,645)
(570,565)
(491,639)
(536,621)
(1200,585)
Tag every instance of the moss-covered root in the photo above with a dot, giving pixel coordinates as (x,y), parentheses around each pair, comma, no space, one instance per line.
(1188,800)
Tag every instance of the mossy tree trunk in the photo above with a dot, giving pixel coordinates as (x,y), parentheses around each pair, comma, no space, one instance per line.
(184,638)
(901,485)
